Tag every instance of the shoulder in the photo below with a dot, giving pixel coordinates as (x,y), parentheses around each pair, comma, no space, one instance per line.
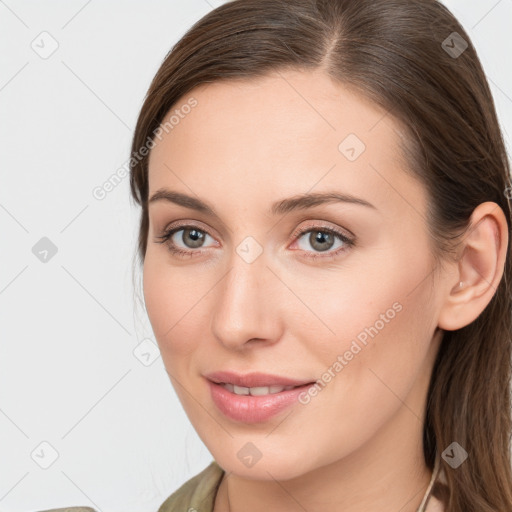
(197,493)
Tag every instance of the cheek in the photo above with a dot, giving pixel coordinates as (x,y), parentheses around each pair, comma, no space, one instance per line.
(383,326)
(172,304)
(382,340)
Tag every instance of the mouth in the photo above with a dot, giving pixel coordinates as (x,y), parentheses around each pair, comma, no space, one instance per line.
(258,390)
(254,404)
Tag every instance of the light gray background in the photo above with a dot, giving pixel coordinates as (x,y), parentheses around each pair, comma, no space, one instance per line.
(70,327)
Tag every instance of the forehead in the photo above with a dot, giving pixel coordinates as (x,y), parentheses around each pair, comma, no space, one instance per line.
(282,134)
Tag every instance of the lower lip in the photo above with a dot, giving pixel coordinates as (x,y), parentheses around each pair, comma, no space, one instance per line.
(253,409)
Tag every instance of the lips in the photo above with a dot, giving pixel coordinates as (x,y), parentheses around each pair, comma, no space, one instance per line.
(254,380)
(253,408)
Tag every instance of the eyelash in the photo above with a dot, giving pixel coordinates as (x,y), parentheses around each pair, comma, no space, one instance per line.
(165,237)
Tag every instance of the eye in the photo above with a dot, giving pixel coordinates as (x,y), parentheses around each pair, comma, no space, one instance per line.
(322,240)
(192,238)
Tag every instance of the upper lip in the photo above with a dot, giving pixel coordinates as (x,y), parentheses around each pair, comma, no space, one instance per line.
(251,380)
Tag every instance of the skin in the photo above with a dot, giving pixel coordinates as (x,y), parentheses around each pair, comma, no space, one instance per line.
(357,445)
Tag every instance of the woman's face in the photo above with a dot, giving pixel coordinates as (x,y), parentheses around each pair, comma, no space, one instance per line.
(252,294)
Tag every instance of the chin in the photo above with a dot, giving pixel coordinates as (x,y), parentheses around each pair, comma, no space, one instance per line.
(270,467)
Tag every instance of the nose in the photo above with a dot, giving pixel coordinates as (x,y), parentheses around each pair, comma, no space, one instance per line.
(246,310)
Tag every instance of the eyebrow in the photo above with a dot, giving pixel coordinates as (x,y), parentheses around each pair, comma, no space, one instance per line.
(281,207)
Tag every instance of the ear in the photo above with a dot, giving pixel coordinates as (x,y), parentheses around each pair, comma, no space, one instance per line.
(480,268)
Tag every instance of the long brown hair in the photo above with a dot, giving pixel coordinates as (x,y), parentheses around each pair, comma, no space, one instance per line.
(405,57)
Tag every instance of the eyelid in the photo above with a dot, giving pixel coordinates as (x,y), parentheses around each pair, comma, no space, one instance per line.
(320,224)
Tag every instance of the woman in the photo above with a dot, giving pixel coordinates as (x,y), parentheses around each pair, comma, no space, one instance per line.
(325,250)
(324,205)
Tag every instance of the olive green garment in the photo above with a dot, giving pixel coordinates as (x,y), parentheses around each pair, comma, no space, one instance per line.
(197,494)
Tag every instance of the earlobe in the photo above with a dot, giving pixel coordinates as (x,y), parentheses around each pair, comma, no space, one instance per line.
(480,268)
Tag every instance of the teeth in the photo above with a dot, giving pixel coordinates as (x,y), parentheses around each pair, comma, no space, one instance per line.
(256,391)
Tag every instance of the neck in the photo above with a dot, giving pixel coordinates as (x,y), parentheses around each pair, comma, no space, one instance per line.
(364,480)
